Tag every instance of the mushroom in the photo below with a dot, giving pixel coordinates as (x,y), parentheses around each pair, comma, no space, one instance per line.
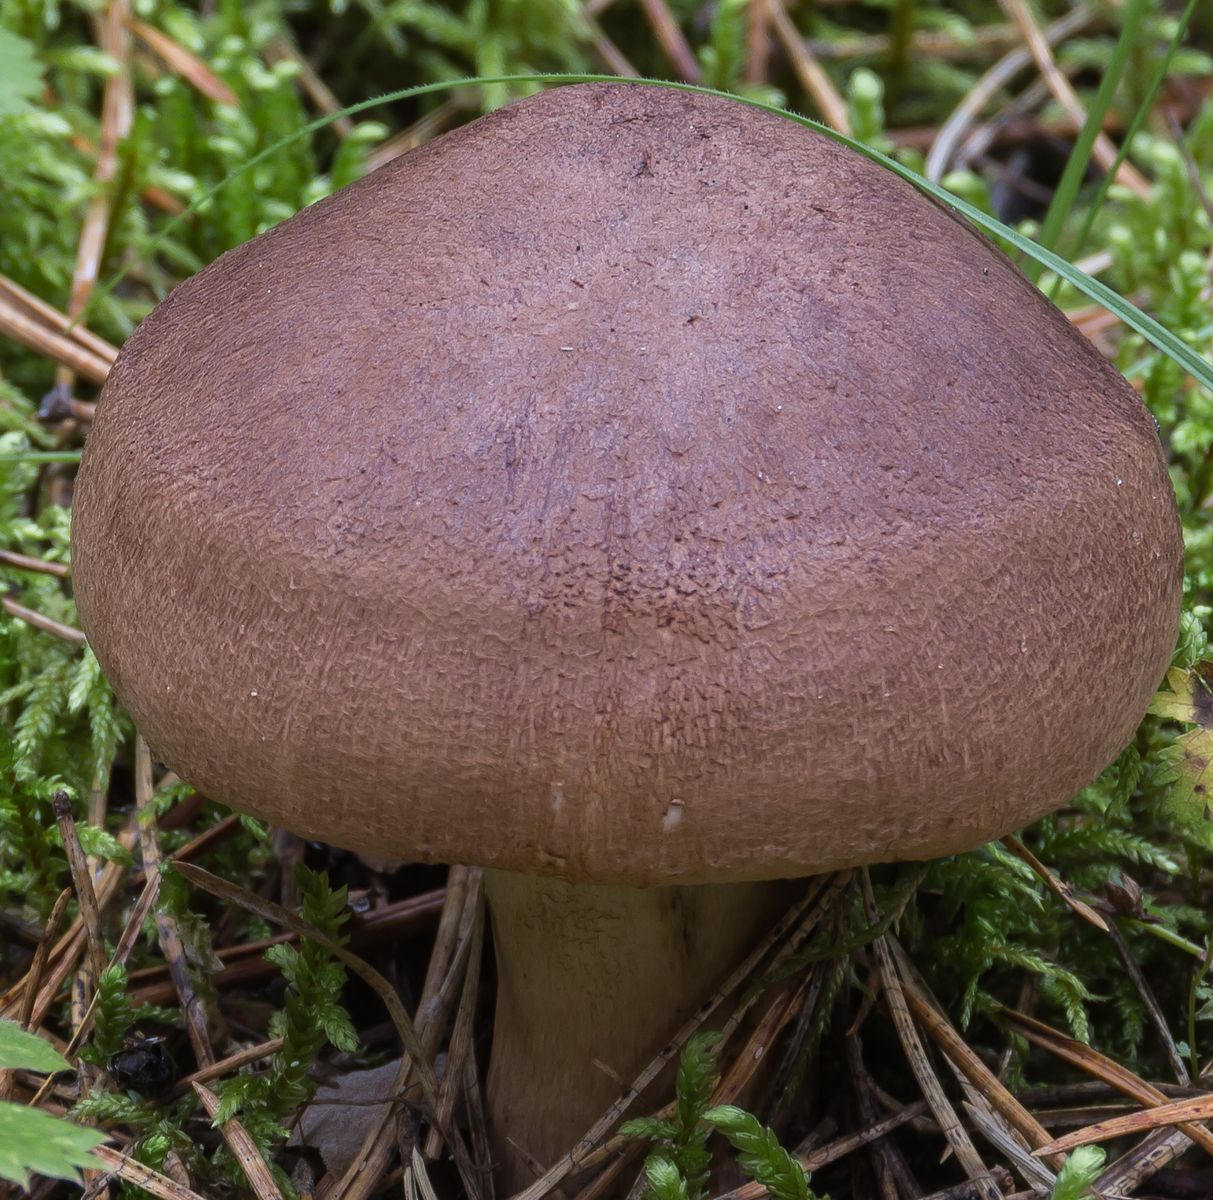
(643,497)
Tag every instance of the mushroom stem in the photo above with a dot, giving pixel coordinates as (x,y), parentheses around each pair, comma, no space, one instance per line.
(592,982)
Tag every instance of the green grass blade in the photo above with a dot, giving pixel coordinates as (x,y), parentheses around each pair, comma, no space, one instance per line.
(1143,110)
(1129,314)
(1080,157)
(41,456)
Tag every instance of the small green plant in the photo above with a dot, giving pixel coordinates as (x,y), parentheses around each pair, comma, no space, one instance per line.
(1078,1174)
(311,1017)
(677,1167)
(760,1155)
(681,1144)
(113,1018)
(33,1141)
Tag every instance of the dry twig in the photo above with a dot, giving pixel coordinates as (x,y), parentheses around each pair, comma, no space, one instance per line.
(127,1169)
(958,1140)
(671,39)
(33,979)
(82,880)
(809,72)
(117,117)
(1099,1065)
(64,633)
(243,1148)
(1063,92)
(166,926)
(310,82)
(952,131)
(22,562)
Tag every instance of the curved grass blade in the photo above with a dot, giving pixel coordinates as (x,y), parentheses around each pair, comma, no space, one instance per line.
(1075,171)
(1156,334)
(1143,110)
(41,456)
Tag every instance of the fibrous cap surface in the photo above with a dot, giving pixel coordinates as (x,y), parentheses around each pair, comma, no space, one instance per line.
(630,485)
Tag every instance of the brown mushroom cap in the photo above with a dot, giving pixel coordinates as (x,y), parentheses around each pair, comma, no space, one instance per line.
(634,486)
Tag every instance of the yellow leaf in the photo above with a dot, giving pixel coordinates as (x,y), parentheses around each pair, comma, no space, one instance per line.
(1190,699)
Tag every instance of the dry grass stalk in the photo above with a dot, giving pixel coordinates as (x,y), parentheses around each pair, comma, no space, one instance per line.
(671,39)
(1054,1119)
(134,923)
(182,62)
(23,562)
(378,1147)
(434,1011)
(603,1163)
(957,1138)
(417,1185)
(782,1008)
(126,943)
(226,1066)
(984,1111)
(119,1165)
(313,87)
(65,633)
(758,42)
(809,72)
(206,840)
(1145,992)
(978,43)
(18,325)
(66,951)
(244,963)
(421,131)
(998,1180)
(462,915)
(1099,1065)
(243,1148)
(887,1163)
(831,1152)
(1058,887)
(994,1091)
(1003,1138)
(1093,320)
(1131,1170)
(122,951)
(625,1156)
(952,131)
(33,978)
(461,1034)
(473,1102)
(166,926)
(612,57)
(82,880)
(37,309)
(458,883)
(1196,1108)
(62,967)
(1063,92)
(117,117)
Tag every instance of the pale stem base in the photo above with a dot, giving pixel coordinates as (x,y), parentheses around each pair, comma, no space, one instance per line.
(592,982)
